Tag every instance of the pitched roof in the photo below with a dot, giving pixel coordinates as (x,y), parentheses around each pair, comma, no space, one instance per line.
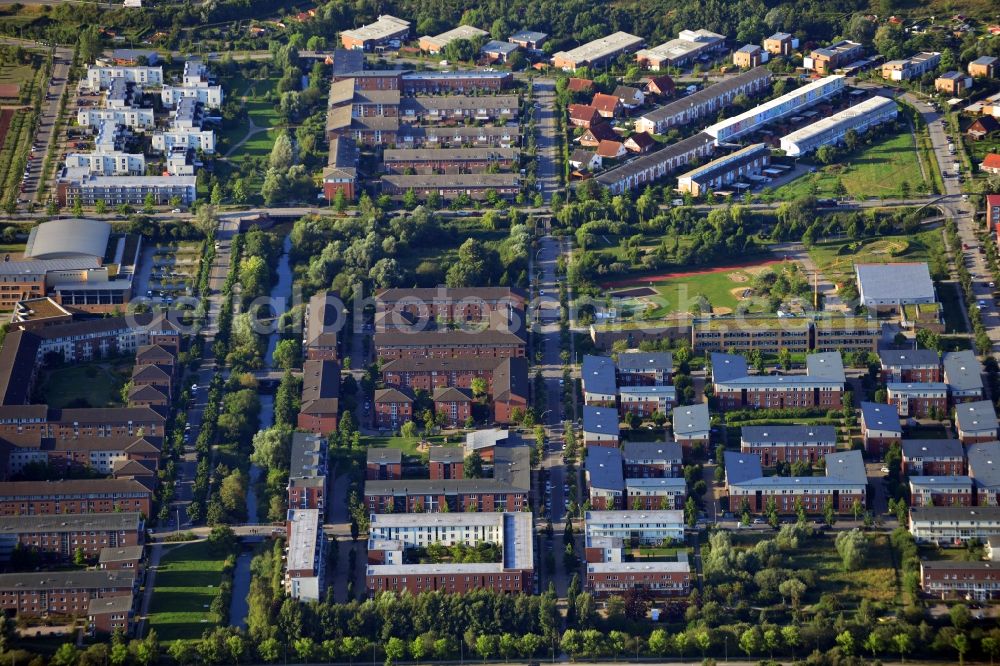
(991,161)
(692,419)
(984,464)
(445,454)
(985,125)
(17,364)
(320,387)
(583,112)
(443,365)
(646,360)
(962,371)
(933,448)
(663,83)
(598,375)
(606,103)
(392,395)
(510,379)
(609,148)
(452,394)
(146,393)
(70,487)
(976,416)
(626,94)
(579,85)
(908,358)
(642,140)
(600,132)
(124,554)
(638,451)
(819,434)
(381,456)
(600,420)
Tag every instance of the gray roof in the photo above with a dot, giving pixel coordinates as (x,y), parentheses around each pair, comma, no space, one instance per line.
(124,554)
(121,603)
(453,180)
(976,416)
(908,358)
(446,454)
(984,60)
(308,456)
(447,154)
(932,448)
(825,365)
(511,472)
(496,46)
(940,481)
(742,467)
(963,371)
(529,36)
(690,420)
(949,514)
(846,465)
(902,282)
(656,158)
(42,266)
(984,464)
(726,367)
(706,94)
(877,416)
(958,565)
(600,420)
(604,468)
(60,580)
(598,375)
(638,451)
(646,360)
(789,434)
(381,456)
(70,523)
(667,483)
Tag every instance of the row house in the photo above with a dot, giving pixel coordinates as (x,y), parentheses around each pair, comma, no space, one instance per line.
(61,593)
(788,444)
(413,136)
(705,103)
(741,166)
(653,460)
(459,82)
(42,498)
(918,400)
(61,537)
(477,186)
(954,525)
(486,108)
(880,428)
(844,483)
(933,457)
(949,579)
(653,166)
(821,386)
(448,160)
(941,491)
(909,365)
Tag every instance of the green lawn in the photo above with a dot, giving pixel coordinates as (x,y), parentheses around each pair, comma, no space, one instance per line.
(875,581)
(91,384)
(406,445)
(876,171)
(836,259)
(186,583)
(259,109)
(721,291)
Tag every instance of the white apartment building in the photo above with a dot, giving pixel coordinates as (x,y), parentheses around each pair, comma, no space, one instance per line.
(647,527)
(99,77)
(113,163)
(132,118)
(210,96)
(195,139)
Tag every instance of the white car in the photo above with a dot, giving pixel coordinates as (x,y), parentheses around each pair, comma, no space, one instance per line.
(194,387)
(884,469)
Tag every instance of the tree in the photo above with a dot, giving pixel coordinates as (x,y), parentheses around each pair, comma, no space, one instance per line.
(852,547)
(479,387)
(845,641)
(828,513)
(66,655)
(790,636)
(395,650)
(79,558)
(874,643)
(903,644)
(991,647)
(785,358)
(961,644)
(487,645)
(286,354)
(408,430)
(659,642)
(216,196)
(206,221)
(473,466)
(282,153)
(793,589)
(750,641)
(960,616)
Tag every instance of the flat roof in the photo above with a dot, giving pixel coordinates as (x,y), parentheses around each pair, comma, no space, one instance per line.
(870,105)
(604,468)
(612,518)
(385,27)
(984,464)
(380,521)
(944,514)
(899,282)
(528,36)
(939,481)
(638,567)
(303,540)
(601,48)
(976,416)
(748,153)
(687,42)
(779,107)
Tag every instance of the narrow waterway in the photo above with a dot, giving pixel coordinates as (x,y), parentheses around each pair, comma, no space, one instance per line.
(280,296)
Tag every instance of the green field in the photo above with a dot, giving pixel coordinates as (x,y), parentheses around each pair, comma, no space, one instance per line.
(408,446)
(836,260)
(92,384)
(876,171)
(720,289)
(187,581)
(260,110)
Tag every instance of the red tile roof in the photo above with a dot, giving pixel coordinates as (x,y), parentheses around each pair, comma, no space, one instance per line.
(606,103)
(582,112)
(580,85)
(991,161)
(609,149)
(602,131)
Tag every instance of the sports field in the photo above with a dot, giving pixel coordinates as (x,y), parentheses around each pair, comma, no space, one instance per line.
(718,290)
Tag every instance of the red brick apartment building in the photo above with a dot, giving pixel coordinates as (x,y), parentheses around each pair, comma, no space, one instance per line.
(393,408)
(654,460)
(880,428)
(446,462)
(99,454)
(44,498)
(454,403)
(949,579)
(788,444)
(59,537)
(320,336)
(976,422)
(933,457)
(61,593)
(469,305)
(428,374)
(307,488)
(910,365)
(507,491)
(510,389)
(941,491)
(655,579)
(419,578)
(821,386)
(392,345)
(320,396)
(110,614)
(125,558)
(919,399)
(384,465)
